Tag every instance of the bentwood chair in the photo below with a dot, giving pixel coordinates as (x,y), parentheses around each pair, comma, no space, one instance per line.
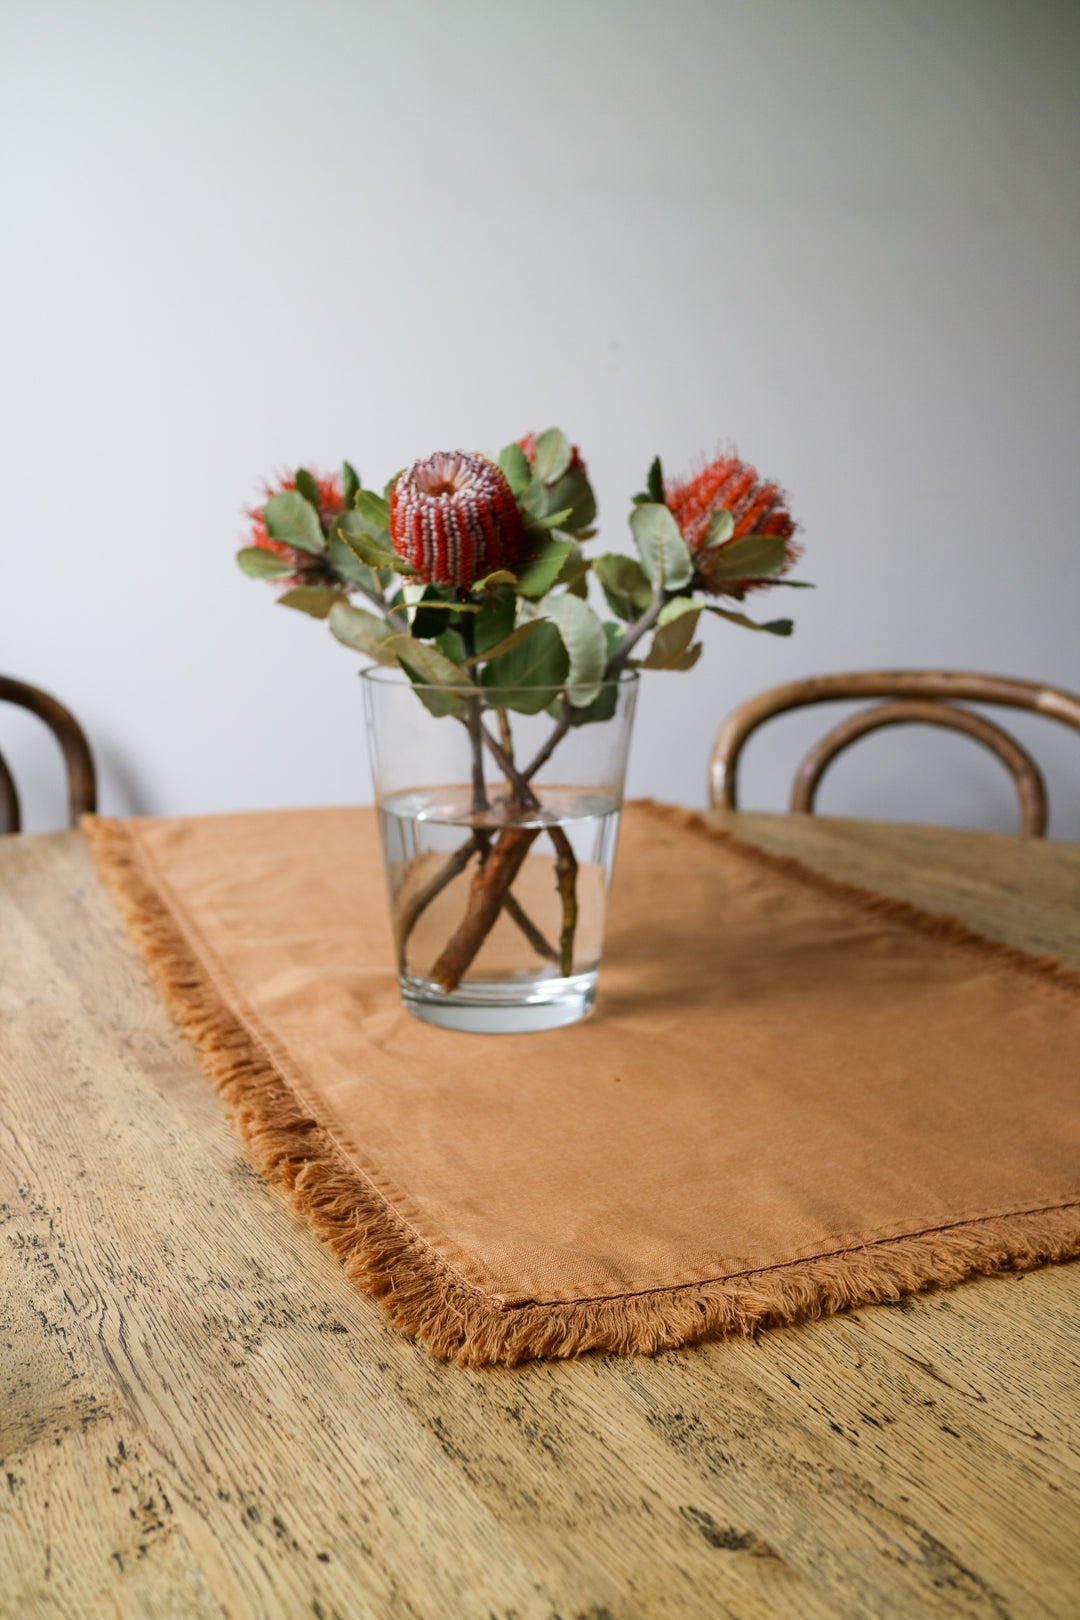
(82,784)
(916,696)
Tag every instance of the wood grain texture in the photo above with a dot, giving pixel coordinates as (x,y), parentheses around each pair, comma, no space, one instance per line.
(199,1417)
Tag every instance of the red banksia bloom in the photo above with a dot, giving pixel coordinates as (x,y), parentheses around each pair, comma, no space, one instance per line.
(454,517)
(528,444)
(757,507)
(331,505)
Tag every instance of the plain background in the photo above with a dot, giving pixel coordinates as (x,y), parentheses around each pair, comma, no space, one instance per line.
(843,235)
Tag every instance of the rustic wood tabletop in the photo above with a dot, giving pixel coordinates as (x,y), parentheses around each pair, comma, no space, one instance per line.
(200,1417)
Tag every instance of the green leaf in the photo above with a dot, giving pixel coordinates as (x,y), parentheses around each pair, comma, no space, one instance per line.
(677,607)
(540,662)
(755,556)
(353,524)
(501,576)
(692,655)
(373,507)
(654,483)
(430,618)
(584,640)
(662,549)
(795,584)
(614,635)
(258,563)
(293,521)
(575,573)
(553,453)
(350,483)
(355,531)
(428,666)
(317,600)
(514,639)
(721,527)
(373,553)
(436,699)
(571,496)
(552,520)
(533,501)
(537,578)
(451,643)
(773,627)
(348,565)
(625,584)
(515,466)
(362,631)
(671,645)
(495,621)
(574,494)
(307,486)
(602,708)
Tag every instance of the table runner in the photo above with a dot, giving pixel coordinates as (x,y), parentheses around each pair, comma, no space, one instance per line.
(794,1095)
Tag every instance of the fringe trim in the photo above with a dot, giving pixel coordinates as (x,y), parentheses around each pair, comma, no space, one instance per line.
(421,1295)
(1048,970)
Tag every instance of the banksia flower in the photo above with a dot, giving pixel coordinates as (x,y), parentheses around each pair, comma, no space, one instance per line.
(310,570)
(454,517)
(757,507)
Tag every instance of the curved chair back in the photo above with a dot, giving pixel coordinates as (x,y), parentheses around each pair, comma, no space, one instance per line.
(918,696)
(82,783)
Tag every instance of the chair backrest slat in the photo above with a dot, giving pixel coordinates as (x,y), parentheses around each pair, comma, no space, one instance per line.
(10,814)
(926,697)
(82,780)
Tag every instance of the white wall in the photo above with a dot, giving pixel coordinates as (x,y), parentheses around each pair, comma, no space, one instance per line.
(842,233)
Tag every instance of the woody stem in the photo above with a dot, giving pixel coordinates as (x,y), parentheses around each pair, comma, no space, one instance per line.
(566,866)
(475,724)
(507,741)
(566,870)
(491,884)
(408,917)
(455,863)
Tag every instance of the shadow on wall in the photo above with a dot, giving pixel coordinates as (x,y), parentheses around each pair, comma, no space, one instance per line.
(121,788)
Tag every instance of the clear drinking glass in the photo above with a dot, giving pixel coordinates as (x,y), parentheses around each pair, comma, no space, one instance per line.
(499,820)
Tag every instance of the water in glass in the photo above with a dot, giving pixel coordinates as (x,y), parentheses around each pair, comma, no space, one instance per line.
(516,982)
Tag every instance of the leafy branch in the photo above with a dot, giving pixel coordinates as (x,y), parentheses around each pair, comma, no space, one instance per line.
(524,638)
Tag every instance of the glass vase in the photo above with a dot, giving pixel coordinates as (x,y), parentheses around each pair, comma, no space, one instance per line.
(499,814)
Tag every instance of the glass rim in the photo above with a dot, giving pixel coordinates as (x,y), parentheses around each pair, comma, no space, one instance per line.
(387,675)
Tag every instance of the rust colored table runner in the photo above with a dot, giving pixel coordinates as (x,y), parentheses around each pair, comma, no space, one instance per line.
(793,1095)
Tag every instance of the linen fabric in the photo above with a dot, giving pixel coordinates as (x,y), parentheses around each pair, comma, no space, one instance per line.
(792,1095)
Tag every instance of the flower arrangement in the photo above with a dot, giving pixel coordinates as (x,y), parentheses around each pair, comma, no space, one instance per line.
(469,574)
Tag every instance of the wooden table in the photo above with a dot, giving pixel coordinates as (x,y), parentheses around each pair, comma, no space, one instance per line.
(199,1417)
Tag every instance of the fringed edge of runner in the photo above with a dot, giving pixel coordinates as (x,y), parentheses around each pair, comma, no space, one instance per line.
(422,1296)
(947,930)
